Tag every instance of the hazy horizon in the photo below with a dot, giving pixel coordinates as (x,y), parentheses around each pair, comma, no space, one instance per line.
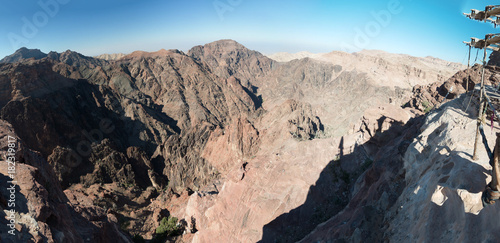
(186,50)
(423,28)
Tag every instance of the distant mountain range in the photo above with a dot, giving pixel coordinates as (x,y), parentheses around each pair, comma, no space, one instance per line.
(385,69)
(236,145)
(111,57)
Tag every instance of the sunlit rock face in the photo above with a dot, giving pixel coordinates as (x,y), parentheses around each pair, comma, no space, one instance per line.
(431,191)
(239,147)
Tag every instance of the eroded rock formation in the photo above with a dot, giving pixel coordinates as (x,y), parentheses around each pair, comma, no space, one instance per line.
(240,147)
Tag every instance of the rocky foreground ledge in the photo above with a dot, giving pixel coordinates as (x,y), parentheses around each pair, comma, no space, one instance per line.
(434,196)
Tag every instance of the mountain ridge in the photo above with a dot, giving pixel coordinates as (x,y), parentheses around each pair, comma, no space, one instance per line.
(194,134)
(22,54)
(383,68)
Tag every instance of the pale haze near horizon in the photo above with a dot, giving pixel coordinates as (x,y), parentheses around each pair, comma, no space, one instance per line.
(418,28)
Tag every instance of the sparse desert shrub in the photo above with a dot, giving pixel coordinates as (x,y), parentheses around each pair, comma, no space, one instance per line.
(168,228)
(427,107)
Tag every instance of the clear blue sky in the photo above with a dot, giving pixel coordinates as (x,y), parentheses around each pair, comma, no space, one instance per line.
(418,27)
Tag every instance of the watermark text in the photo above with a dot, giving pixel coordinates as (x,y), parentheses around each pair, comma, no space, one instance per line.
(31,26)
(10,157)
(380,19)
(224,6)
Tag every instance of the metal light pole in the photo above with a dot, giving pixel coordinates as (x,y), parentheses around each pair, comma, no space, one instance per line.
(480,116)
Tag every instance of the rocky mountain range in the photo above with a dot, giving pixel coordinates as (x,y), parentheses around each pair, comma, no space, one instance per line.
(237,146)
(111,57)
(384,69)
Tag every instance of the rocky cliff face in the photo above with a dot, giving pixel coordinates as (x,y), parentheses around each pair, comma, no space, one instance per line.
(427,97)
(140,122)
(424,185)
(43,212)
(384,69)
(240,147)
(429,191)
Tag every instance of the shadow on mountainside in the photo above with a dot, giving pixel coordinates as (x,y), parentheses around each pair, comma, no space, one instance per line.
(72,117)
(437,171)
(336,188)
(6,201)
(373,195)
(443,220)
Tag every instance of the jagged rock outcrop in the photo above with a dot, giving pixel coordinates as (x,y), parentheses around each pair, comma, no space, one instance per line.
(229,58)
(426,97)
(292,118)
(43,212)
(232,146)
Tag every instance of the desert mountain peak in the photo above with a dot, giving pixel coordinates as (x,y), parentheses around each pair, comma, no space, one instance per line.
(221,48)
(228,43)
(73,58)
(144,54)
(22,54)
